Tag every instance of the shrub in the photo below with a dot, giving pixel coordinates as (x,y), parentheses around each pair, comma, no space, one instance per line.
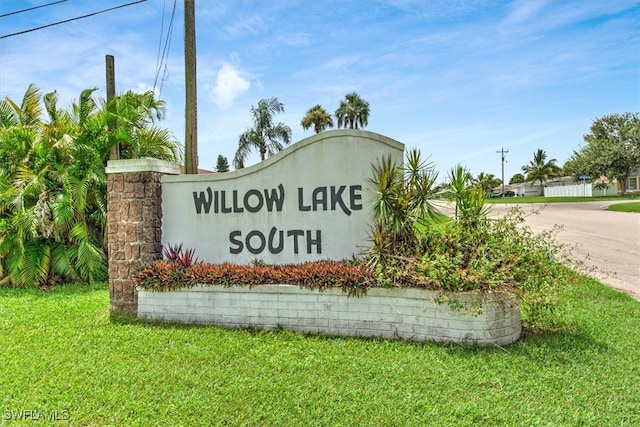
(53,183)
(168,274)
(470,251)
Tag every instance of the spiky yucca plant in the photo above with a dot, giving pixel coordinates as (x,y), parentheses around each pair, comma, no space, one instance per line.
(402,195)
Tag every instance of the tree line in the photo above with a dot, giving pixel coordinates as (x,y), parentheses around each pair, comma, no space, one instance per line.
(612,150)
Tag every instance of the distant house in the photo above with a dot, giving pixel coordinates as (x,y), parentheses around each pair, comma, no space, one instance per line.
(526,189)
(633,182)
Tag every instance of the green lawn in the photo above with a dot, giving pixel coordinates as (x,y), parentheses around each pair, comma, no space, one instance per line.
(542,199)
(60,351)
(626,207)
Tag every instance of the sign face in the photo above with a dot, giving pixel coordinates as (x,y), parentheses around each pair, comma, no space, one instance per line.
(309,202)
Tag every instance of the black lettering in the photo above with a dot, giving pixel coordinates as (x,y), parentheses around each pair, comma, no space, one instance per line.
(260,236)
(223,207)
(201,200)
(336,198)
(355,197)
(236,208)
(295,234)
(319,197)
(275,197)
(233,239)
(276,249)
(301,206)
(317,242)
(248,206)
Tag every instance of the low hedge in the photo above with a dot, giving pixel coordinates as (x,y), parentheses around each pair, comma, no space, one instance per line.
(167,275)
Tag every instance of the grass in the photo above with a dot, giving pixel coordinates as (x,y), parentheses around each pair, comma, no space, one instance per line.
(542,199)
(61,351)
(626,207)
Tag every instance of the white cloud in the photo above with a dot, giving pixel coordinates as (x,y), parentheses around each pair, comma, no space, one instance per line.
(229,85)
(243,26)
(524,11)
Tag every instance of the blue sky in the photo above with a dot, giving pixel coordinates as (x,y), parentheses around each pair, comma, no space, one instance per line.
(458,79)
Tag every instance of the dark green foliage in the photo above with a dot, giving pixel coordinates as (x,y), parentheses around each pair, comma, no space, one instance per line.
(486,182)
(612,150)
(402,205)
(53,183)
(517,179)
(222,164)
(468,252)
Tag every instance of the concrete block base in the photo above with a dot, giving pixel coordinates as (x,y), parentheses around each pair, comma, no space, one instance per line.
(412,314)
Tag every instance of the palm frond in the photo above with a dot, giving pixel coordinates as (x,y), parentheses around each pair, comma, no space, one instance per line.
(36,264)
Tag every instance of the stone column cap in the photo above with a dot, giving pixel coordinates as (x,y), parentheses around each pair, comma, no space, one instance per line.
(142,165)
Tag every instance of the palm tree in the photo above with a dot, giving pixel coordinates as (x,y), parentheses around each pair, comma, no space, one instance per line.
(353,112)
(265,135)
(539,169)
(486,182)
(53,183)
(318,118)
(26,114)
(51,204)
(134,115)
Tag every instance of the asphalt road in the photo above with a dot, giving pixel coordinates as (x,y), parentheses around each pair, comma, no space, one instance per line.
(608,243)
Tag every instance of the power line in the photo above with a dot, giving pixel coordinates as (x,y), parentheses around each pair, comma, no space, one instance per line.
(31,8)
(161,59)
(164,5)
(72,19)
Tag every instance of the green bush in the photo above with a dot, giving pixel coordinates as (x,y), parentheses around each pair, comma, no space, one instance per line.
(53,190)
(470,251)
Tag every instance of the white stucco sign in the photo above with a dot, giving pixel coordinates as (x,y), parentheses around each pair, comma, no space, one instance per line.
(309,202)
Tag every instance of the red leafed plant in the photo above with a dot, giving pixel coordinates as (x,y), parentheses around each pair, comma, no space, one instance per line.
(176,254)
(180,269)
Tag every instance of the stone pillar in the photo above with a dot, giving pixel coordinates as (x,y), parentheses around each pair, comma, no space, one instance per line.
(134,224)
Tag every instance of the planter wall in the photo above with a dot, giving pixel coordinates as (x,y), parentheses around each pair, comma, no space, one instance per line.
(410,314)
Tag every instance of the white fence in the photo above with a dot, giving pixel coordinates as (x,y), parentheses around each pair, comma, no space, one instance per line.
(579,190)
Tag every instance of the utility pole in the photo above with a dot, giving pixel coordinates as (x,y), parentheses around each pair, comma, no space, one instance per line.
(114,153)
(502,152)
(191,98)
